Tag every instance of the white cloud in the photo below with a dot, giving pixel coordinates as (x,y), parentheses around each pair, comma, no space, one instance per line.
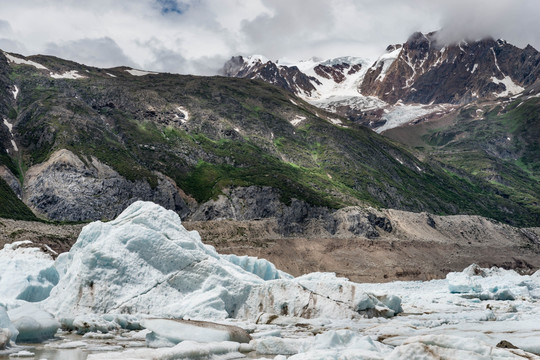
(197,36)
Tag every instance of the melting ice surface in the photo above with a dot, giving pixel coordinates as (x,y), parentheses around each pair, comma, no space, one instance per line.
(124,282)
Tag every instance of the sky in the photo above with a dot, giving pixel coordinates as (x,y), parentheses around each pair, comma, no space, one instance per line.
(198,36)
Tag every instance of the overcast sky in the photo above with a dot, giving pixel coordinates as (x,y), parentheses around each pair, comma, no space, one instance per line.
(197,36)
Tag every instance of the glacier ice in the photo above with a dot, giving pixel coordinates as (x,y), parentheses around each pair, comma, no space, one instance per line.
(146,262)
(8,332)
(32,323)
(493,284)
(144,270)
(176,331)
(27,273)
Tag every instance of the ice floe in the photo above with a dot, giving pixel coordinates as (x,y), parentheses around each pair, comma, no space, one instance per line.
(146,262)
(136,282)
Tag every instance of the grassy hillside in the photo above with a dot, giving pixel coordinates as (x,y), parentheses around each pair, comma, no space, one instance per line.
(496,142)
(237,132)
(11,206)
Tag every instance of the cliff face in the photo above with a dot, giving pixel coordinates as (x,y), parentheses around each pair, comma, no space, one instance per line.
(66,188)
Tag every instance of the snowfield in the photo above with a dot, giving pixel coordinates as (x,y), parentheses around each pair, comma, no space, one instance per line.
(134,287)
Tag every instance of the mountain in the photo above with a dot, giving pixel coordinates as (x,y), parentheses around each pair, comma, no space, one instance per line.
(472,107)
(422,71)
(410,80)
(81,143)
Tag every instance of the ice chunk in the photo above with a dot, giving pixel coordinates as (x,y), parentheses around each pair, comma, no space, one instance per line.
(278,346)
(8,332)
(184,350)
(146,262)
(27,273)
(175,331)
(260,267)
(452,347)
(32,323)
(492,284)
(342,344)
(22,353)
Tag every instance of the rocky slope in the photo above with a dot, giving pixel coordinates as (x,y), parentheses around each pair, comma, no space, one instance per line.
(471,106)
(82,143)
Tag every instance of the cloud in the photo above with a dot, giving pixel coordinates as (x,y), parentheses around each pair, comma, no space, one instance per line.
(197,36)
(513,20)
(100,52)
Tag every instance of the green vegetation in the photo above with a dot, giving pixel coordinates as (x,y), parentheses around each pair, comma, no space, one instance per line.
(498,151)
(239,134)
(11,206)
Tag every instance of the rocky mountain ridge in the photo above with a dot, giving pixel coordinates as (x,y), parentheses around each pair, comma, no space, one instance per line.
(420,72)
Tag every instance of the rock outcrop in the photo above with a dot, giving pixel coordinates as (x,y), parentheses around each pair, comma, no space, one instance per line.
(66,188)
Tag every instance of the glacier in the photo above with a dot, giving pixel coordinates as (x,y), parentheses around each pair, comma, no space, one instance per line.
(142,286)
(146,263)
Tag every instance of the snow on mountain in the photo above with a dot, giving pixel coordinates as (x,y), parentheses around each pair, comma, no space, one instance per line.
(72,74)
(357,89)
(136,72)
(17,60)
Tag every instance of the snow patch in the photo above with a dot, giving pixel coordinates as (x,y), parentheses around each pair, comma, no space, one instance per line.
(474,68)
(10,127)
(185,114)
(111,75)
(16,60)
(255,60)
(335,121)
(72,74)
(297,120)
(385,61)
(496,62)
(15,92)
(293,102)
(136,72)
(511,87)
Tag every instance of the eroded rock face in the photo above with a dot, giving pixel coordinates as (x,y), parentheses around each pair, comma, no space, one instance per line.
(296,218)
(67,189)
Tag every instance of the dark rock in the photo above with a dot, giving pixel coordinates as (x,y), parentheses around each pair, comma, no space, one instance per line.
(430,222)
(506,345)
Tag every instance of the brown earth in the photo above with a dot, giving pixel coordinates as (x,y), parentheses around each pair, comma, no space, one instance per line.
(420,246)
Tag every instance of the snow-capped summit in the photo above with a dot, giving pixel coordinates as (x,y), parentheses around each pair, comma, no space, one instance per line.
(419,72)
